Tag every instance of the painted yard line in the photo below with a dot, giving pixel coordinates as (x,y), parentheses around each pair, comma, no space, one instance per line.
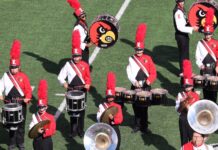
(94,54)
(32,87)
(59,94)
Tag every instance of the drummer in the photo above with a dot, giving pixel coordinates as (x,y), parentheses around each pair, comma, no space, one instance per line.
(184,100)
(44,140)
(15,88)
(206,54)
(77,73)
(116,119)
(141,72)
(82,26)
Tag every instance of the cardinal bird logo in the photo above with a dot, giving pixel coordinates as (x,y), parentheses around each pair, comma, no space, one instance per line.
(103,34)
(197,15)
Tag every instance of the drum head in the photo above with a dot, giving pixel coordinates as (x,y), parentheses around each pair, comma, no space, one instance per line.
(103,32)
(197,13)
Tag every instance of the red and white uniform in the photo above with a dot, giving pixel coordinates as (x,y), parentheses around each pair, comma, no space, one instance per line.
(50,129)
(190,146)
(134,70)
(183,95)
(180,21)
(19,81)
(81,73)
(205,48)
(118,118)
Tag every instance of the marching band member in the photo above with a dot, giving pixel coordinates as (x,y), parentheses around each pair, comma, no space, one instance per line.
(141,72)
(82,26)
(197,143)
(181,31)
(206,54)
(16,88)
(44,140)
(117,119)
(78,78)
(184,100)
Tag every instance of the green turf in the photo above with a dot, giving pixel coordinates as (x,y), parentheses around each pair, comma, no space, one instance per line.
(44,28)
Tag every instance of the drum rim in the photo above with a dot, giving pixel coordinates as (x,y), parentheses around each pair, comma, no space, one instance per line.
(75,97)
(164,90)
(19,107)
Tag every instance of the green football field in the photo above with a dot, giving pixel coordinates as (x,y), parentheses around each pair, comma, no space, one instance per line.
(44,28)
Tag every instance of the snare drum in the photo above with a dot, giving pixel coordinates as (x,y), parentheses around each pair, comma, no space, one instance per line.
(118,94)
(199,81)
(143,98)
(198,11)
(104,31)
(128,96)
(12,113)
(75,101)
(211,83)
(159,96)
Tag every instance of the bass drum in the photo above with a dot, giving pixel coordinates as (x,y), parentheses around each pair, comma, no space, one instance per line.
(197,13)
(104,31)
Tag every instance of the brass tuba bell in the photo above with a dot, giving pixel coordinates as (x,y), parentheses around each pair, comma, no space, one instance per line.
(100,136)
(203,116)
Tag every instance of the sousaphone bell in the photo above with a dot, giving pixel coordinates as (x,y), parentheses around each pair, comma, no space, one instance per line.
(100,136)
(203,116)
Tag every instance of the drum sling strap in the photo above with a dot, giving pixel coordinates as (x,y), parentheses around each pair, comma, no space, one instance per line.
(209,50)
(77,71)
(15,83)
(140,66)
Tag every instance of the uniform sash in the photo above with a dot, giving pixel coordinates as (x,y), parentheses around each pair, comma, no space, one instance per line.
(140,66)
(209,50)
(14,82)
(77,71)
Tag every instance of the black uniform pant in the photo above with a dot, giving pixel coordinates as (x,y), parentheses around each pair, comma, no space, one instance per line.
(141,117)
(183,46)
(85,55)
(210,95)
(185,130)
(116,128)
(77,122)
(41,143)
(16,137)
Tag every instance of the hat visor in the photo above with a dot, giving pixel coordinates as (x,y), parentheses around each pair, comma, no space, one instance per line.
(110,96)
(139,49)
(76,55)
(208,33)
(187,85)
(14,67)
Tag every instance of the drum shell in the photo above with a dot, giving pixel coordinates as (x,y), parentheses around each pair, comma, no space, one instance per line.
(127,97)
(158,99)
(119,95)
(199,82)
(75,101)
(12,113)
(211,85)
(143,100)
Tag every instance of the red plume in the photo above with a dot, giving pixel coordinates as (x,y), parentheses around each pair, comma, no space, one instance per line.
(76,42)
(42,92)
(15,50)
(74,4)
(140,35)
(111,80)
(209,17)
(187,68)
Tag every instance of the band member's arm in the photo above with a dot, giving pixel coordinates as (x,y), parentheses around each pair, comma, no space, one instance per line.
(199,55)
(51,128)
(179,99)
(87,77)
(27,90)
(118,118)
(83,35)
(130,73)
(100,112)
(181,23)
(152,72)
(63,74)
